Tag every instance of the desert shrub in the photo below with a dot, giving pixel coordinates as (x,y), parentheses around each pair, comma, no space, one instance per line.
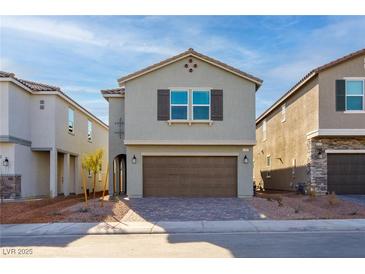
(271,198)
(83,210)
(279,199)
(332,199)
(298,208)
(312,194)
(353,213)
(55,213)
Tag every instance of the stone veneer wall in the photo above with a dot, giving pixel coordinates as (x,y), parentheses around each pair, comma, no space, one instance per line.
(317,162)
(10,186)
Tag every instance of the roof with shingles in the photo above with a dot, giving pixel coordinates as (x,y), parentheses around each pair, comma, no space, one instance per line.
(306,78)
(191,52)
(34,86)
(113,91)
(38,87)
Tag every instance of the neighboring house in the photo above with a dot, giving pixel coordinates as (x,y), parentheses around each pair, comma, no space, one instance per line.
(183,127)
(43,135)
(315,133)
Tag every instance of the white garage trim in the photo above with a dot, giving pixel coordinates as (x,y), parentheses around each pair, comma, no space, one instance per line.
(191,142)
(192,153)
(350,151)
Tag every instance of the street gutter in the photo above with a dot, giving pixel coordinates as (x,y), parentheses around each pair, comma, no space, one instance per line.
(181,227)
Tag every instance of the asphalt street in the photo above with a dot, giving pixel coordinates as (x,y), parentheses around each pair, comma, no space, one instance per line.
(218,245)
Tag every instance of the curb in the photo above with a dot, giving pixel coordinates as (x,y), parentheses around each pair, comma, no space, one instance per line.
(239,226)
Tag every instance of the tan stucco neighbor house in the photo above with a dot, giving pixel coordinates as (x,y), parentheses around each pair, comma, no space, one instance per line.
(184,127)
(43,135)
(315,133)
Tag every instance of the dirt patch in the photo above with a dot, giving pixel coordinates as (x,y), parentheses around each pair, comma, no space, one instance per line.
(290,206)
(62,209)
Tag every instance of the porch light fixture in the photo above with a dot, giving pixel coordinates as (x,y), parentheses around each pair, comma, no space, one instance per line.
(6,162)
(245,160)
(134,159)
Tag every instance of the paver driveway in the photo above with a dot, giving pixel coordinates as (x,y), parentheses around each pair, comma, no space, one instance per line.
(190,209)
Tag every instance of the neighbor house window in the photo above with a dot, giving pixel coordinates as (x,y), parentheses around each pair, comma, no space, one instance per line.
(264,129)
(201,105)
(71,120)
(179,105)
(268,161)
(283,113)
(354,95)
(268,165)
(89,131)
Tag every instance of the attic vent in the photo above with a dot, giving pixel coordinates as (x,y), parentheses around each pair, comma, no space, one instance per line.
(191,65)
(41,104)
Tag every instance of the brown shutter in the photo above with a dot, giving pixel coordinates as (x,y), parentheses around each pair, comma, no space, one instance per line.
(340,95)
(163,104)
(216,107)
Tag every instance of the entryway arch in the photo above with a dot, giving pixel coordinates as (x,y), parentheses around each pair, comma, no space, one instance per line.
(119,175)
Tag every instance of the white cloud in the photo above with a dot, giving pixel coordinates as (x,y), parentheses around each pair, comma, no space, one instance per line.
(81,89)
(51,28)
(320,46)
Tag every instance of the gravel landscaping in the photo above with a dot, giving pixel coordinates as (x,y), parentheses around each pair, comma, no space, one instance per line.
(290,206)
(62,209)
(266,205)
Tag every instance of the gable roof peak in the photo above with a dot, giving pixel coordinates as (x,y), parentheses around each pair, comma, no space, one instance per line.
(198,55)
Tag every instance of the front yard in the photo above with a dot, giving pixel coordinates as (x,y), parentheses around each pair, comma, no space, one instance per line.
(275,206)
(290,206)
(62,209)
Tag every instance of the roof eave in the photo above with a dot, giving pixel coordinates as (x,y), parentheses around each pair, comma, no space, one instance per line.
(258,82)
(285,96)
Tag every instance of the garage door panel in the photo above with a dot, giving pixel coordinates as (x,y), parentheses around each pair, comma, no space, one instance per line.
(346,173)
(195,176)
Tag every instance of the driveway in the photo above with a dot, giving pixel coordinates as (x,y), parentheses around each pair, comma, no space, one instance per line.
(357,199)
(189,209)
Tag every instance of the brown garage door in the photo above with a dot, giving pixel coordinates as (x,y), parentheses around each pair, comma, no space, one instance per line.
(346,173)
(195,176)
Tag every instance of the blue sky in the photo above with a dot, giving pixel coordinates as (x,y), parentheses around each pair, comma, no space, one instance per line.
(83,54)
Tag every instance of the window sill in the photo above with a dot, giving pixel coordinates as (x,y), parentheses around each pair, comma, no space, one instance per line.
(190,122)
(353,111)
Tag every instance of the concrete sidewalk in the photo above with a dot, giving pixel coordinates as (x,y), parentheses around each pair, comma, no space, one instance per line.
(181,227)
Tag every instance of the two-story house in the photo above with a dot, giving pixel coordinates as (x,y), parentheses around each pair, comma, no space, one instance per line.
(184,127)
(43,135)
(315,133)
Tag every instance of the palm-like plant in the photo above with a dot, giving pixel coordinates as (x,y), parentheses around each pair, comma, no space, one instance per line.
(92,163)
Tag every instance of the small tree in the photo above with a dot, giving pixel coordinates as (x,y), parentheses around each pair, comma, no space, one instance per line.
(92,163)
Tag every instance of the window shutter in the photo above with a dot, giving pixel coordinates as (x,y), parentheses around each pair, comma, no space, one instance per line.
(340,95)
(216,107)
(163,104)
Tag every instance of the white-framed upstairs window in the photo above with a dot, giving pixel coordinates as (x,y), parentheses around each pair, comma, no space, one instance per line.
(179,104)
(283,113)
(89,131)
(71,121)
(355,95)
(264,130)
(201,105)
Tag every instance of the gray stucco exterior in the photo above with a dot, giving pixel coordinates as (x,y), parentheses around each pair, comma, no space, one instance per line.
(141,108)
(36,141)
(145,135)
